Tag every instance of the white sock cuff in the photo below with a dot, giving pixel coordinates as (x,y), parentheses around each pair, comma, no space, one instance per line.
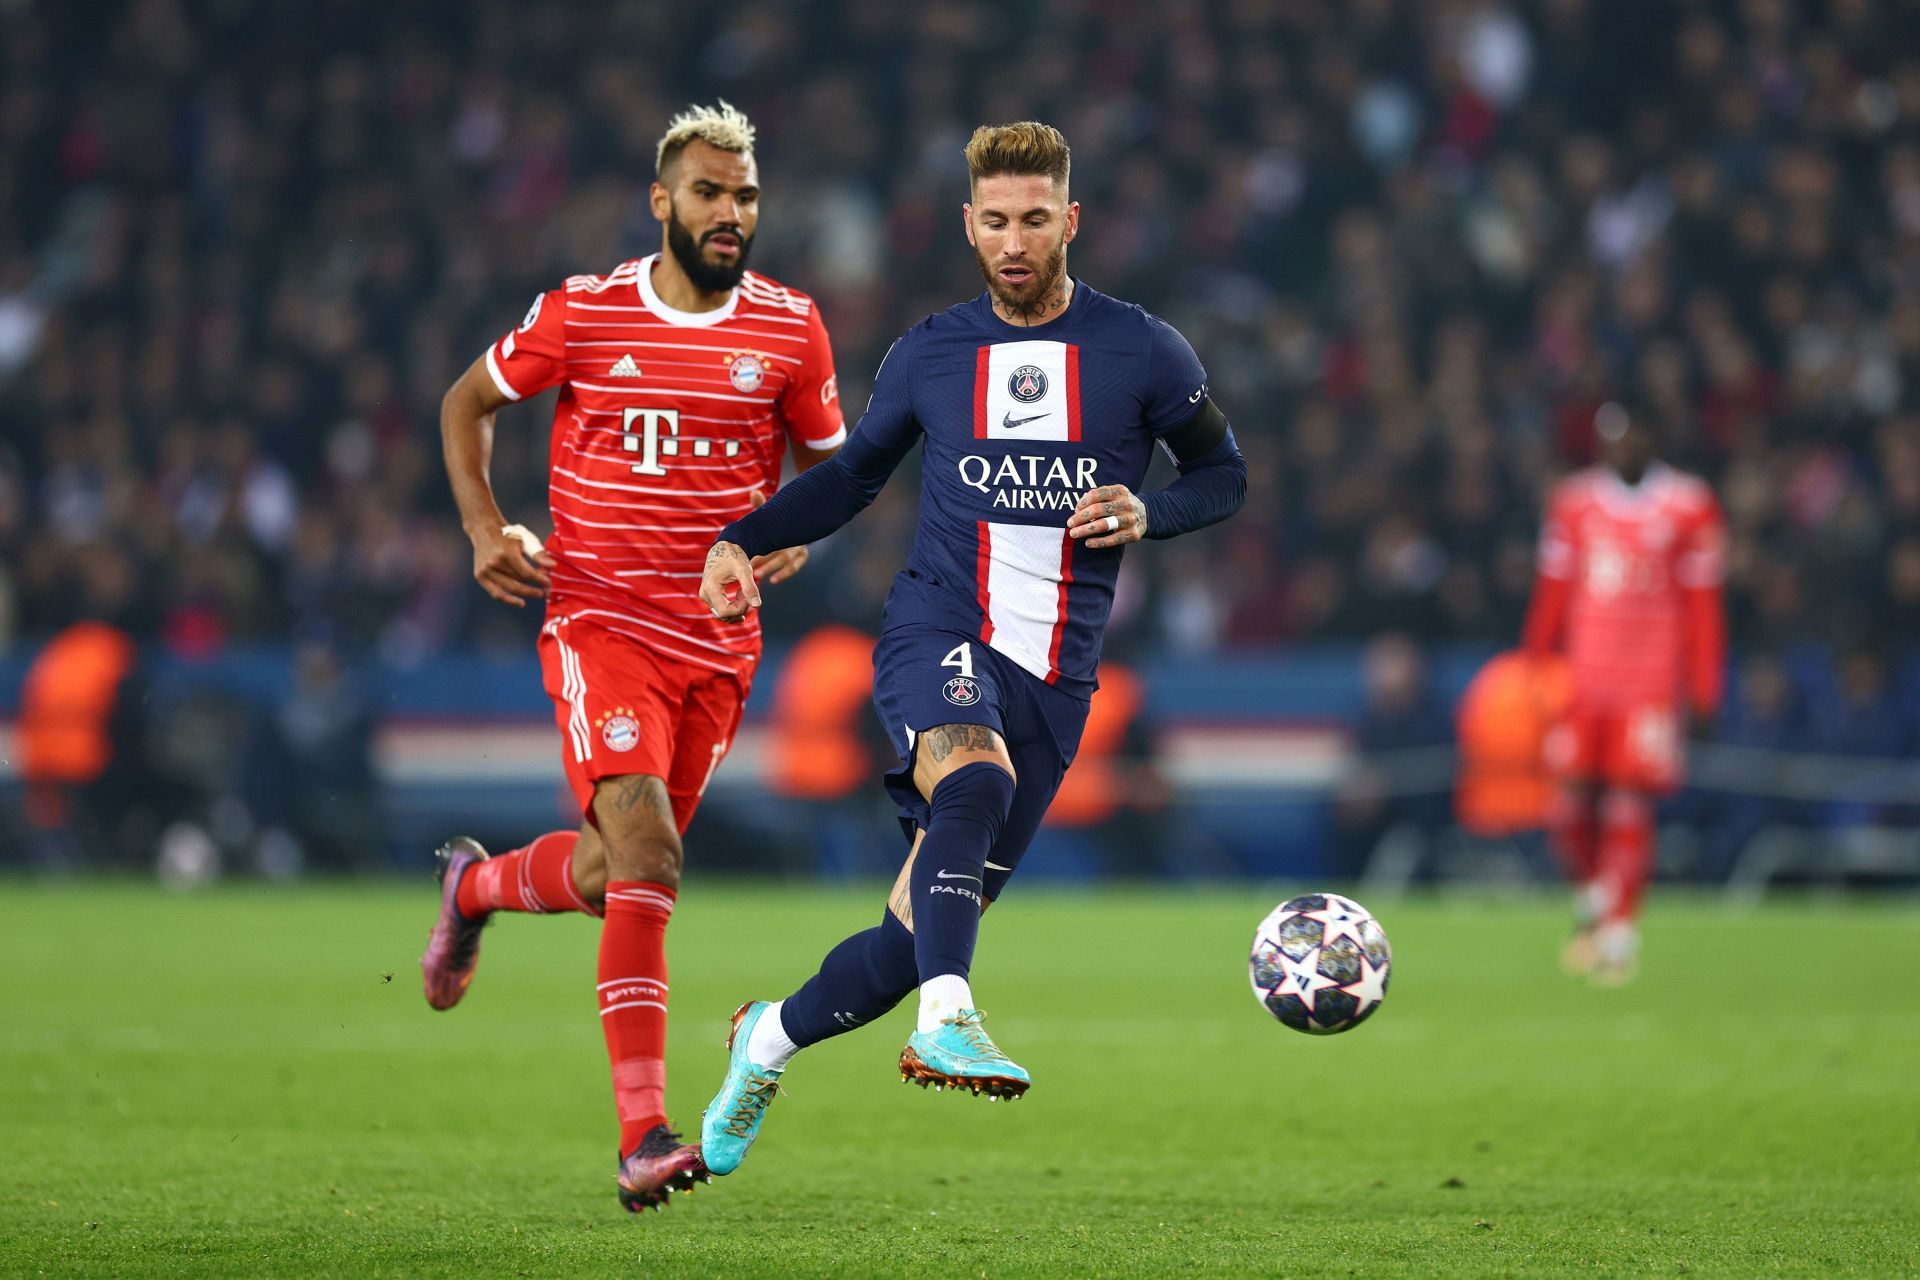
(770,1047)
(941,997)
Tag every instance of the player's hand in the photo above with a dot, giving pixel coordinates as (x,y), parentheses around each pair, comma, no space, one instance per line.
(776,566)
(727,587)
(510,565)
(1110,516)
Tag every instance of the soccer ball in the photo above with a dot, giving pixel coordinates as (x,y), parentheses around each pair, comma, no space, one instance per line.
(1320,963)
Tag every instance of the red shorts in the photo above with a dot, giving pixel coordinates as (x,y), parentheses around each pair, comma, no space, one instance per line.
(1637,748)
(624,709)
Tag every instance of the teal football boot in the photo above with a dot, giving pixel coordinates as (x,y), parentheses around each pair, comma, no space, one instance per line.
(960,1055)
(732,1119)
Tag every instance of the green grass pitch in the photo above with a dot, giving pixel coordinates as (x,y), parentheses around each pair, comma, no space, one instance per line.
(248,1082)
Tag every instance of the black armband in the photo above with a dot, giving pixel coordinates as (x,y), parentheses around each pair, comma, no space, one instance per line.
(1199,435)
(1213,476)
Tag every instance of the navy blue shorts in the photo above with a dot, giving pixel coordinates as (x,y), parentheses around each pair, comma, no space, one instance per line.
(924,677)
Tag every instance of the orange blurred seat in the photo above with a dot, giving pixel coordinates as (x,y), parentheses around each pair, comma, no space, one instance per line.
(815,750)
(1504,717)
(66,710)
(1094,788)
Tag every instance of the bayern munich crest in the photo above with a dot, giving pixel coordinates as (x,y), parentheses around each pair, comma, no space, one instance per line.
(620,731)
(1027,383)
(747,372)
(961,692)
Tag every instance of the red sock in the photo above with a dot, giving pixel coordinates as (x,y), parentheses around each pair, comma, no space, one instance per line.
(633,1003)
(1575,832)
(537,878)
(1626,852)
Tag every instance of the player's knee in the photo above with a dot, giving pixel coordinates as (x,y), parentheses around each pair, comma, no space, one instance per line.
(637,828)
(980,793)
(652,855)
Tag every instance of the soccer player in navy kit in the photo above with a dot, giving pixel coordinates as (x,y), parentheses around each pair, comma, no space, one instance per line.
(1039,404)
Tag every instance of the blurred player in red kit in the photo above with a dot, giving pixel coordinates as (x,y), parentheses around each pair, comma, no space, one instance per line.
(1629,589)
(683,379)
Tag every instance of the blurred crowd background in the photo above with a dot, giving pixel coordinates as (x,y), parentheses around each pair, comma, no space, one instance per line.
(245,246)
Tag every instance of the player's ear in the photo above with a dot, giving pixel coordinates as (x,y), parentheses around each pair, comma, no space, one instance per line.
(966,216)
(660,200)
(1073,221)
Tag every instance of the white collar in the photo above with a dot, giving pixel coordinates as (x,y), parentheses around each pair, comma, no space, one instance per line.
(1617,493)
(673,315)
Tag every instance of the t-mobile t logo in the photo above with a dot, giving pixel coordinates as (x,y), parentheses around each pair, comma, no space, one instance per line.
(658,437)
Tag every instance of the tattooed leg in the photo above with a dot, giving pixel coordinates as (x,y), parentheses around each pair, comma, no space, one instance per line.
(946,749)
(635,817)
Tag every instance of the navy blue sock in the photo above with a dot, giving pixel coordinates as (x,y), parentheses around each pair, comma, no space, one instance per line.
(860,979)
(969,809)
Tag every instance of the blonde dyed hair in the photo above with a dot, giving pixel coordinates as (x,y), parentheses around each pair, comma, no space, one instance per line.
(1027,147)
(724,126)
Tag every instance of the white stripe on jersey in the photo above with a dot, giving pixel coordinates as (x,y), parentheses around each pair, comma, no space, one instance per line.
(1023,591)
(662,493)
(675,346)
(1046,416)
(499,378)
(628,504)
(695,530)
(704,395)
(740,424)
(572,691)
(728,667)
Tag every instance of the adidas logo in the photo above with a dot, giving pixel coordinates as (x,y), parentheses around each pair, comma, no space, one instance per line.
(624,367)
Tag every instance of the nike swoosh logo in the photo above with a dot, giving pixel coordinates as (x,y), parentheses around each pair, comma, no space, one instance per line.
(1010,422)
(949,875)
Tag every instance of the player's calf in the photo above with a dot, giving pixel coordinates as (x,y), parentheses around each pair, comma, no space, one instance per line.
(636,825)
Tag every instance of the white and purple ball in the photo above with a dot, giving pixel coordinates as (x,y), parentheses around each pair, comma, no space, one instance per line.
(1320,963)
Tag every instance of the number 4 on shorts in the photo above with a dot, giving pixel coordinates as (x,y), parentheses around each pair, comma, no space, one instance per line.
(961,656)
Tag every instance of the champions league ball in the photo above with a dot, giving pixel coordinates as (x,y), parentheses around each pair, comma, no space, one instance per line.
(1320,963)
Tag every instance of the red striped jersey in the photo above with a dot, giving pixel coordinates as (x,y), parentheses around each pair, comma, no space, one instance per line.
(1629,588)
(668,422)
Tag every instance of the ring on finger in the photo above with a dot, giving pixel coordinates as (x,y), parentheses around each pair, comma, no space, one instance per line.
(1110,525)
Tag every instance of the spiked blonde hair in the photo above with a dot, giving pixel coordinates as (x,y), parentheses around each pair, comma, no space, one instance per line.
(1022,148)
(724,126)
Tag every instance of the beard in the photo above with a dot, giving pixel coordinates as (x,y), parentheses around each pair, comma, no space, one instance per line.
(1026,298)
(708,277)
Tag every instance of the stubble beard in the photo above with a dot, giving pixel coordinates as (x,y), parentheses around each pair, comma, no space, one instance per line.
(1032,301)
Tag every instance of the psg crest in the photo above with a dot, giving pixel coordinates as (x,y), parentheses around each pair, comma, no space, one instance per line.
(747,372)
(961,692)
(1027,383)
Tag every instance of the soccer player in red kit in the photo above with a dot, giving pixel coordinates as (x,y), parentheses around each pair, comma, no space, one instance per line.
(682,379)
(1629,586)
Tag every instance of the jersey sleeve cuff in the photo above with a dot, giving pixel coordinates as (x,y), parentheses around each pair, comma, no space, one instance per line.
(833,441)
(499,378)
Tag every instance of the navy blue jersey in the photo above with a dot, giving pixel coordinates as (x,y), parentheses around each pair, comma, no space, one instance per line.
(1017,428)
